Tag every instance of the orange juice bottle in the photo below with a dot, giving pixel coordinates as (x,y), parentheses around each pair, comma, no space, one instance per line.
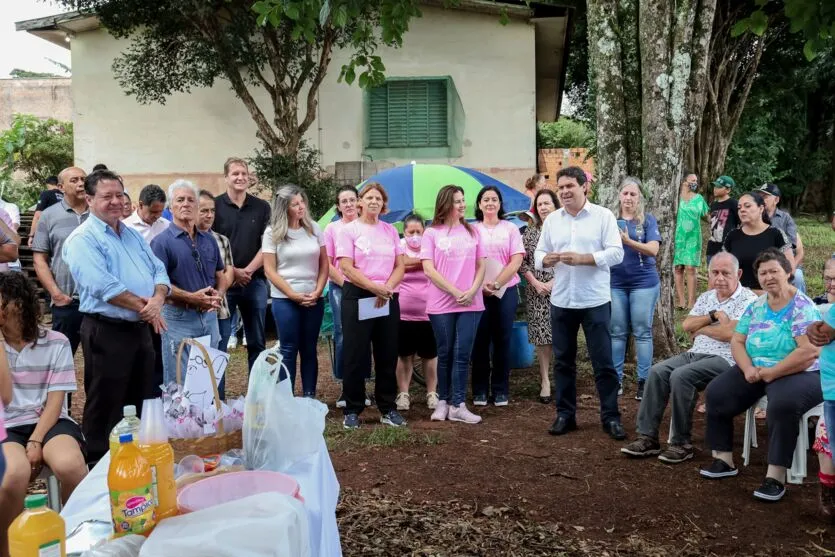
(161,458)
(38,531)
(130,483)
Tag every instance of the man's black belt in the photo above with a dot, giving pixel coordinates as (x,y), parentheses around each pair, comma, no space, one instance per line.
(113,321)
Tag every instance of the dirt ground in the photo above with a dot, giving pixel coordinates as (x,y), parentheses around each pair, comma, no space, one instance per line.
(505,487)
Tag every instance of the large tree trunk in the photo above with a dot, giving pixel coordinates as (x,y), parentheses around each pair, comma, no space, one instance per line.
(733,67)
(673,41)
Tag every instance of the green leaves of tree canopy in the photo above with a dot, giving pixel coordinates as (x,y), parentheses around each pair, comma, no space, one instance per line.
(815,19)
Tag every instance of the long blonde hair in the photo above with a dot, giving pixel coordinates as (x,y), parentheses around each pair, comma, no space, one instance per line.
(639,208)
(281,204)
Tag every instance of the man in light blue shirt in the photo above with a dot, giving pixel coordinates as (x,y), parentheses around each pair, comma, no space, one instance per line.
(122,287)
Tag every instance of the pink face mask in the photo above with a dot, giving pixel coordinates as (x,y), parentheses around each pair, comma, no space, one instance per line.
(413,241)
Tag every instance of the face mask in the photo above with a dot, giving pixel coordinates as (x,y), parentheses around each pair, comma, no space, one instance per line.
(413,241)
(694,186)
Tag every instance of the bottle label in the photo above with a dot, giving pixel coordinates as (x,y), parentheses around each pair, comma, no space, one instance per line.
(155,485)
(51,549)
(134,511)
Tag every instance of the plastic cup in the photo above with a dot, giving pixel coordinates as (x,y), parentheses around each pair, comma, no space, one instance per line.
(192,464)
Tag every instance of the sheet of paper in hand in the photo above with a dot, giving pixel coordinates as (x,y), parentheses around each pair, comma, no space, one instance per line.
(492,271)
(197,385)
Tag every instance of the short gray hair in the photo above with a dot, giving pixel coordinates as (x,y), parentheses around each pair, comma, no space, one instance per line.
(725,255)
(180,185)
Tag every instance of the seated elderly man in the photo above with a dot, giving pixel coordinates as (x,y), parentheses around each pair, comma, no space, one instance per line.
(774,357)
(825,300)
(711,323)
(193,262)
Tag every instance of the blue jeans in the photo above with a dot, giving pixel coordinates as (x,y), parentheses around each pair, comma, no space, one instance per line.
(335,300)
(225,327)
(633,309)
(252,301)
(829,420)
(298,331)
(184,323)
(799,280)
(494,330)
(454,335)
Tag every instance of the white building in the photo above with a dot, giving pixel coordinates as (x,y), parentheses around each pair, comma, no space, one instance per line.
(475,90)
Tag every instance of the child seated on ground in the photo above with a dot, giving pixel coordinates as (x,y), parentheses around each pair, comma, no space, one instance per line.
(38,427)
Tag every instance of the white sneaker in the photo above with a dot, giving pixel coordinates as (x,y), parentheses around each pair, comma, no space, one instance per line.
(232,344)
(243,341)
(432,400)
(441,411)
(402,401)
(460,413)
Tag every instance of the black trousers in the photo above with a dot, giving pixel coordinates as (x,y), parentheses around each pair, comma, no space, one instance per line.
(159,375)
(789,398)
(118,370)
(67,321)
(565,324)
(381,334)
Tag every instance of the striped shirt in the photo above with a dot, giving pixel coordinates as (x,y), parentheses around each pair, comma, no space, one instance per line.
(37,370)
(226,255)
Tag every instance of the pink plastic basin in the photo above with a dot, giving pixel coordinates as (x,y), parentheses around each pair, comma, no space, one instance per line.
(235,485)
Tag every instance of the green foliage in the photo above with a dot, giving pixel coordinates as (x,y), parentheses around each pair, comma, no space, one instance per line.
(17,73)
(813,19)
(562,134)
(37,149)
(785,130)
(301,169)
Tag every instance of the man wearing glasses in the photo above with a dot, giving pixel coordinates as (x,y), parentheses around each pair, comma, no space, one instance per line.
(121,288)
(195,267)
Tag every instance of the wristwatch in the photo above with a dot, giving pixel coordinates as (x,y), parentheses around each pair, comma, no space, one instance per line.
(496,285)
(712,314)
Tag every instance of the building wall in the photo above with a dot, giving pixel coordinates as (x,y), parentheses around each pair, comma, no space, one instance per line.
(493,68)
(45,98)
(552,161)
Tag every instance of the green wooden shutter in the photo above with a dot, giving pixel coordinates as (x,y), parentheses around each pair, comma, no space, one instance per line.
(408,113)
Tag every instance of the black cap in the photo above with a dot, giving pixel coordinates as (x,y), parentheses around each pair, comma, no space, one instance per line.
(770,189)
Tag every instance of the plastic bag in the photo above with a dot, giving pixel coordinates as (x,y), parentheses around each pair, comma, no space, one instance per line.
(126,546)
(279,429)
(268,524)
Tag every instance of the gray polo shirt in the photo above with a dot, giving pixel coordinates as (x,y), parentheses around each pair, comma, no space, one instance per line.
(784,222)
(55,224)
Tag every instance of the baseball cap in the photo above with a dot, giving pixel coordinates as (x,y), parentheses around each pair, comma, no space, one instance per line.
(724,182)
(770,189)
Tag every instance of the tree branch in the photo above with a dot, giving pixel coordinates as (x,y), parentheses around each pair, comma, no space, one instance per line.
(321,70)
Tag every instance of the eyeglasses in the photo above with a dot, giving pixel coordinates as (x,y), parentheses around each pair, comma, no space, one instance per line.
(828,279)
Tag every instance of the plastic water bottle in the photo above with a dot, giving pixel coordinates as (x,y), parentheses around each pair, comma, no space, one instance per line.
(129,424)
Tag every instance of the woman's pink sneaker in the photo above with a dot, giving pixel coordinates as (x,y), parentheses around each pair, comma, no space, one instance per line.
(460,413)
(441,411)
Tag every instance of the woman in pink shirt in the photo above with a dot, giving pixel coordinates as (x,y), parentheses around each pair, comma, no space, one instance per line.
(505,251)
(416,336)
(453,258)
(370,257)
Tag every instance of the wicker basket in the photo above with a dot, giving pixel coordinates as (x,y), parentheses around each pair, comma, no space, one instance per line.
(221,441)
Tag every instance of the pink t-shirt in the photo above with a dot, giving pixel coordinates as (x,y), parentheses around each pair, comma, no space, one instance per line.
(413,289)
(501,243)
(373,247)
(330,233)
(454,253)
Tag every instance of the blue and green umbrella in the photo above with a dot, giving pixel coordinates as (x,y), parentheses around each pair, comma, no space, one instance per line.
(414,187)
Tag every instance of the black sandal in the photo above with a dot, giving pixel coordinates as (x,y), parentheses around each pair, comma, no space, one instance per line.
(545,399)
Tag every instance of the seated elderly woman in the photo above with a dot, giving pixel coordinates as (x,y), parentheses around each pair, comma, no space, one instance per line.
(775,358)
(39,429)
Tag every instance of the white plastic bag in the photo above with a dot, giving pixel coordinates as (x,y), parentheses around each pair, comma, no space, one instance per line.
(279,429)
(264,525)
(126,546)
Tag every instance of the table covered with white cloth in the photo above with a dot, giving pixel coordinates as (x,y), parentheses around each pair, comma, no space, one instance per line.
(315,475)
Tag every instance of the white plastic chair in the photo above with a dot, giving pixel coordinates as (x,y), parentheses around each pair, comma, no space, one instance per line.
(797,472)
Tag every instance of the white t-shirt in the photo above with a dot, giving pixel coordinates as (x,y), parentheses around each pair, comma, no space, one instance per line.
(298,258)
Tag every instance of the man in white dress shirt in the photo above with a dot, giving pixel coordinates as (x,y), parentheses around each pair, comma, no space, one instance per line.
(581,242)
(147,219)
